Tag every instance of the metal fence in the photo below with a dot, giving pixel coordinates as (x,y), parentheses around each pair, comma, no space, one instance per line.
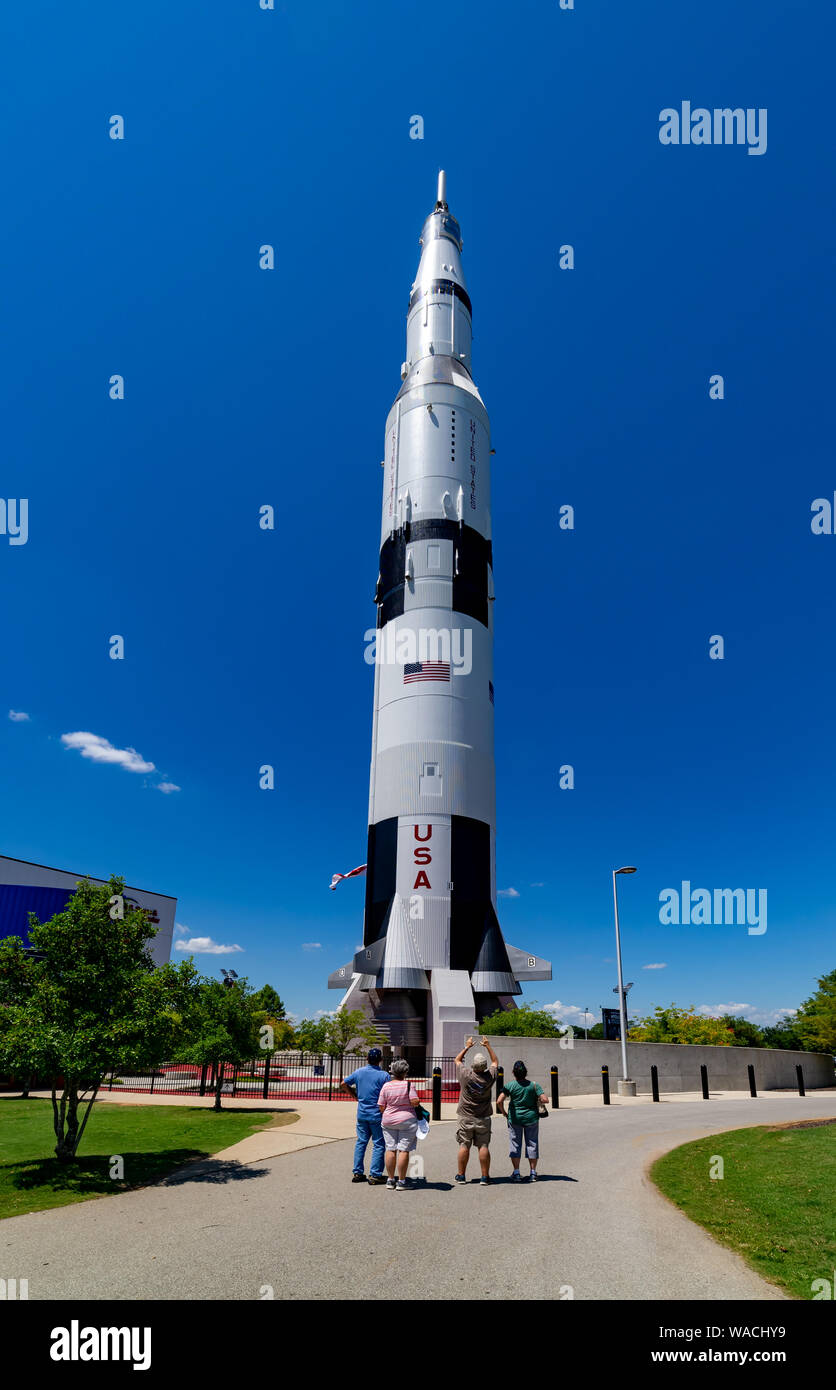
(283,1076)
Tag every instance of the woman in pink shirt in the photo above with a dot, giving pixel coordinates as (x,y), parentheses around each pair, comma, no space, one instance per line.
(397,1102)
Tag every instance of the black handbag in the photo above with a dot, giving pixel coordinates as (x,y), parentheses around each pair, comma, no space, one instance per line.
(420,1112)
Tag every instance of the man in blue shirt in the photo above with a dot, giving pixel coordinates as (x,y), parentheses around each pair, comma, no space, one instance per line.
(366,1083)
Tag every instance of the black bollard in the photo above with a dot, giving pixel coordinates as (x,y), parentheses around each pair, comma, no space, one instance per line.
(436,1093)
(265,1090)
(753,1090)
(605,1084)
(555,1094)
(654,1082)
(800,1074)
(704,1080)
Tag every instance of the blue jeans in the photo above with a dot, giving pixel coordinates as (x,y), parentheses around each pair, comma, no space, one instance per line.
(369,1130)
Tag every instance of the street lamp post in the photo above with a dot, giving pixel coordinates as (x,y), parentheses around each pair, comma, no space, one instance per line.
(625,1086)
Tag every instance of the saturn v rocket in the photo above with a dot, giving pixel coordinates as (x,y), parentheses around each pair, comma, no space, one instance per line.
(434,960)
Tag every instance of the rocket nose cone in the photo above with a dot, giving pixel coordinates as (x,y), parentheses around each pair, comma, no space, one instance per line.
(441,250)
(441,241)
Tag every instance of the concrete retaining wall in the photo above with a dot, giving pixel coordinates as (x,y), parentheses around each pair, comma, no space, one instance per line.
(679,1065)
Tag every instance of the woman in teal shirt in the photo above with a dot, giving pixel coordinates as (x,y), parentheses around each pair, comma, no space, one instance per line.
(525,1099)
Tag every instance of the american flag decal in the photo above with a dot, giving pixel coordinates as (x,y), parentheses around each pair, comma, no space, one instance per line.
(426,671)
(490,691)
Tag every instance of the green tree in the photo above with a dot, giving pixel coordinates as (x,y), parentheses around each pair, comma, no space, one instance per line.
(350,1027)
(335,1033)
(744,1033)
(784,1034)
(815,1022)
(677,1025)
(280,1036)
(310,1035)
(16,984)
(267,999)
(270,1014)
(87,999)
(220,1029)
(525,1022)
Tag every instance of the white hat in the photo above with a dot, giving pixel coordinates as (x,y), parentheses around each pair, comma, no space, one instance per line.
(480,1061)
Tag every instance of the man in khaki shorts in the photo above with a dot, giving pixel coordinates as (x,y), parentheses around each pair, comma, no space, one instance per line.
(474,1109)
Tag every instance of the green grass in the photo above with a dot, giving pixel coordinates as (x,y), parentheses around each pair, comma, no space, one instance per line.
(152,1139)
(774,1204)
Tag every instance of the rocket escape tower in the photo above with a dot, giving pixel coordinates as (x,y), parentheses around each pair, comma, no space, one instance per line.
(434,960)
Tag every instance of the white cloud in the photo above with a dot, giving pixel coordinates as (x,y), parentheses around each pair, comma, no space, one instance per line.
(167,787)
(507,893)
(715,1010)
(764,1018)
(571,1013)
(658,965)
(99,750)
(18,717)
(204,946)
(311,945)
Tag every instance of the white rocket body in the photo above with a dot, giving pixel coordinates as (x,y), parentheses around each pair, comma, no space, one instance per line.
(430,916)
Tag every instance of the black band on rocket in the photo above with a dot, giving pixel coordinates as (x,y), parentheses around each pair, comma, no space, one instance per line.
(476,942)
(443,287)
(472,556)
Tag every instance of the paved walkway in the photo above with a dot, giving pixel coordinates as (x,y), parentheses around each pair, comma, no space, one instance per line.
(290,1219)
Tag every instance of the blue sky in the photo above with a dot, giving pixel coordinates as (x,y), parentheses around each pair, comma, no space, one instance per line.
(246,387)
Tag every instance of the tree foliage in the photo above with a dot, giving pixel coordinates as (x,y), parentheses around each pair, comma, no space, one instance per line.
(815,1022)
(783,1034)
(87,999)
(268,999)
(336,1033)
(525,1022)
(221,1028)
(677,1025)
(743,1033)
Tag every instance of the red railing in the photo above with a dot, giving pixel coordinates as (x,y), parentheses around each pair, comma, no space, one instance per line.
(283,1076)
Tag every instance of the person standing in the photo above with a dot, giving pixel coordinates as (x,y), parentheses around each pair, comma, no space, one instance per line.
(525,1099)
(474,1109)
(397,1102)
(366,1083)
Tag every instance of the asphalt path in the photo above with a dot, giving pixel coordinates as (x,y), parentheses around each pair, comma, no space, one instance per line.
(295,1227)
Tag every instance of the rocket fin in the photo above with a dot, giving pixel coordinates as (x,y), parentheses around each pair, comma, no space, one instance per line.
(369,959)
(492,973)
(402,966)
(527,966)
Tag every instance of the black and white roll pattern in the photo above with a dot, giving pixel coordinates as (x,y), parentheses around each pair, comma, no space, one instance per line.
(430,886)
